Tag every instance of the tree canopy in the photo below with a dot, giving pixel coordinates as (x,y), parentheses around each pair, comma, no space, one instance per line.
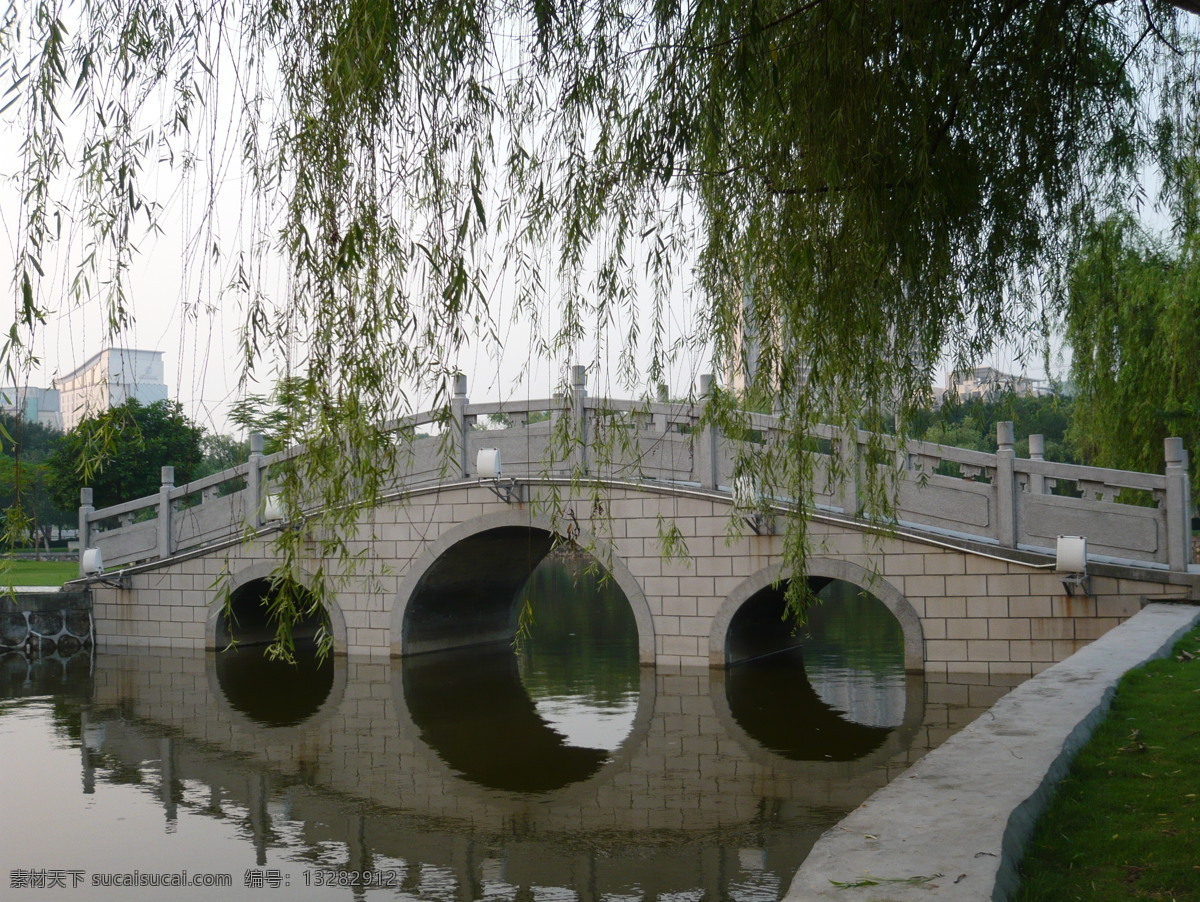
(1133,325)
(29,510)
(861,186)
(125,447)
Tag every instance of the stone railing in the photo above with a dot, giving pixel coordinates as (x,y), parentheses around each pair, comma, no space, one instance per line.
(992,498)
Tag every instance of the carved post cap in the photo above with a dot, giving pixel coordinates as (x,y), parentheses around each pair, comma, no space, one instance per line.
(706,385)
(85,496)
(1037,446)
(1174,452)
(1005,435)
(168,476)
(256,443)
(578,376)
(460,385)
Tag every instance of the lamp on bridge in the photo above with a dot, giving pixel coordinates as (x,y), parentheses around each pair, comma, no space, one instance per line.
(490,473)
(748,501)
(92,565)
(1071,563)
(93,562)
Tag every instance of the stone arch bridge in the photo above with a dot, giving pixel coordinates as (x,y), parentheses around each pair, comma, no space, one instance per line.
(967,566)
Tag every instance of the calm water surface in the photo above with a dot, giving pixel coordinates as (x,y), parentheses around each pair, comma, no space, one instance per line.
(565,772)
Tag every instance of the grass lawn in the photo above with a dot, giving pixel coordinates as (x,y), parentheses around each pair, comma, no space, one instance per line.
(37,573)
(1125,823)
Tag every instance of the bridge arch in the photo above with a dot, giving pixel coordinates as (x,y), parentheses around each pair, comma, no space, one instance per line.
(253,579)
(829,569)
(440,554)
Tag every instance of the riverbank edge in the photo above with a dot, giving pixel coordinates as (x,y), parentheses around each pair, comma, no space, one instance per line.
(955,824)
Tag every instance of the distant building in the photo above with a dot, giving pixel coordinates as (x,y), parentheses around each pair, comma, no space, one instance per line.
(109,379)
(34,405)
(983,382)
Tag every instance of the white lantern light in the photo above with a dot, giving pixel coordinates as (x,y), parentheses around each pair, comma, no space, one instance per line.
(487,463)
(93,562)
(1072,554)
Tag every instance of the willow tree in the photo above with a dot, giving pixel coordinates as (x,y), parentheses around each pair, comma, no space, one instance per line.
(861,185)
(1133,326)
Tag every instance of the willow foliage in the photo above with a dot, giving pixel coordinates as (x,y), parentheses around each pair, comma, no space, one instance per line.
(1133,325)
(856,186)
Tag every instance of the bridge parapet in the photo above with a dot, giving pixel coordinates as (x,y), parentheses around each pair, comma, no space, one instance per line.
(992,498)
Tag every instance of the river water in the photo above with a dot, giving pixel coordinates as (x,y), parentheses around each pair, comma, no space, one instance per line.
(563,771)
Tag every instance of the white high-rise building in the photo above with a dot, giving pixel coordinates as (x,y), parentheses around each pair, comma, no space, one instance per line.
(109,379)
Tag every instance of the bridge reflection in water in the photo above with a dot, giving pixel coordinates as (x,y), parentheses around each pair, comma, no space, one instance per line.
(564,773)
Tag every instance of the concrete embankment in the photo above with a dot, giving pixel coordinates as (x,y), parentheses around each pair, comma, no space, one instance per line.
(953,826)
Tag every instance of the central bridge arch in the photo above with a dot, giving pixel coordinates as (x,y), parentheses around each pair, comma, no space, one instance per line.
(821,571)
(460,591)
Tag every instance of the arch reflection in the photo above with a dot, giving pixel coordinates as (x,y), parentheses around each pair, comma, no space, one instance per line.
(550,714)
(831,691)
(274,693)
(480,720)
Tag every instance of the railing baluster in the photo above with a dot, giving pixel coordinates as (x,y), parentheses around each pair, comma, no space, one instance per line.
(579,421)
(1006,500)
(253,511)
(458,413)
(85,526)
(1179,506)
(164,512)
(1037,451)
(705,438)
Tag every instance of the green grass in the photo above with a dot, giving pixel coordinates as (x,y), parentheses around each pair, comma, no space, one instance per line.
(37,573)
(1125,823)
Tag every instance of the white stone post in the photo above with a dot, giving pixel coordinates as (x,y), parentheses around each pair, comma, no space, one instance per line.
(705,438)
(85,527)
(579,423)
(1037,451)
(164,512)
(254,487)
(1179,506)
(458,412)
(1006,486)
(659,419)
(849,462)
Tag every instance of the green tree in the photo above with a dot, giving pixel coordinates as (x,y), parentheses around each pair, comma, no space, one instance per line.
(125,448)
(858,184)
(1133,326)
(273,416)
(30,511)
(972,423)
(220,452)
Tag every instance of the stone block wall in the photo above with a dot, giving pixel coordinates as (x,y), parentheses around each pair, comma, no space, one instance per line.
(963,610)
